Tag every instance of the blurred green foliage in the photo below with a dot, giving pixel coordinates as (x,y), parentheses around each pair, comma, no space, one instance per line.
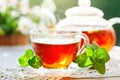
(8,23)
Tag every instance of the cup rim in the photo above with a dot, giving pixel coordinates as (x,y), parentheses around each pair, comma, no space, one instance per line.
(43,31)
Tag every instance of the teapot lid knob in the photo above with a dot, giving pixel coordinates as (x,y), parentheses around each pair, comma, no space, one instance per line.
(84,3)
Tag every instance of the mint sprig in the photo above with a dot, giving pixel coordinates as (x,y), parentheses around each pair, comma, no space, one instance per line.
(29,59)
(94,57)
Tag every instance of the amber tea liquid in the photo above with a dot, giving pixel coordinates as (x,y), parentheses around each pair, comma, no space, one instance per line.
(104,38)
(57,53)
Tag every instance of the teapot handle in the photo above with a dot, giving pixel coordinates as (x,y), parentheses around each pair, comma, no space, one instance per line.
(113,21)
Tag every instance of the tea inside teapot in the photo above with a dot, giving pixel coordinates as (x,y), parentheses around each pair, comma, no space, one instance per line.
(104,38)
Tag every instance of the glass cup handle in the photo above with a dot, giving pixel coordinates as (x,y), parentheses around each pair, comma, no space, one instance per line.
(86,40)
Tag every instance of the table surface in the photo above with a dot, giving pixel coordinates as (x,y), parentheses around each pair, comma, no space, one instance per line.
(10,70)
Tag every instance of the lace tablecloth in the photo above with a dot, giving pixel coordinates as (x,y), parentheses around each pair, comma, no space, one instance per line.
(10,70)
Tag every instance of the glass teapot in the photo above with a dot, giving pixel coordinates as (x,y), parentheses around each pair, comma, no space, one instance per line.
(90,21)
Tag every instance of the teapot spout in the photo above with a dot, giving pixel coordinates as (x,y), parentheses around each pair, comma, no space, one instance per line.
(115,20)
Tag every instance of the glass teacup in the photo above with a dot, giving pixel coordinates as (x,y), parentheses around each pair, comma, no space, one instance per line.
(57,49)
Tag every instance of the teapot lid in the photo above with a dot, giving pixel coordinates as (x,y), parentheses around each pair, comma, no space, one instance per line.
(84,9)
(83,16)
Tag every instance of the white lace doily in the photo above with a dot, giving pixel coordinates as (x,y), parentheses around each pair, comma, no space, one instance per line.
(10,70)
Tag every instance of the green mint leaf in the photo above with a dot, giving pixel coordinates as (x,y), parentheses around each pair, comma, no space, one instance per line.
(29,53)
(35,62)
(83,60)
(28,59)
(101,55)
(81,57)
(87,45)
(23,60)
(100,67)
(93,56)
(95,46)
(89,50)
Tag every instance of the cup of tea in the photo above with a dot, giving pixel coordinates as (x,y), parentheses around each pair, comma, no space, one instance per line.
(57,49)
